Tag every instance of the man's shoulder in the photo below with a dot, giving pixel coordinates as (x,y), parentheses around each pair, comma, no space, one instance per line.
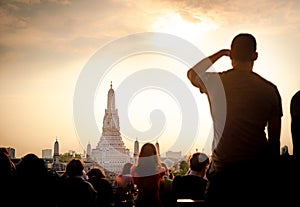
(266,81)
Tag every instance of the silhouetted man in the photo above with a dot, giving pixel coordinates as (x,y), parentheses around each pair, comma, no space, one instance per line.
(242,105)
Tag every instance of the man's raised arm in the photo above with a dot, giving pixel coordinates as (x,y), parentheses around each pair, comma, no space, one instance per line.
(199,69)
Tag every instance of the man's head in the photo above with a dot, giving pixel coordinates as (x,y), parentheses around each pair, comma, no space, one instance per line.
(243,48)
(199,161)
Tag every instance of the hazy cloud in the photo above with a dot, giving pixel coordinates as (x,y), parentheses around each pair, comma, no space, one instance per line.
(273,14)
(51,24)
(56,28)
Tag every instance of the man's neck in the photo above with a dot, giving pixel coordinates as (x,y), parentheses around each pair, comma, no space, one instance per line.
(243,65)
(193,172)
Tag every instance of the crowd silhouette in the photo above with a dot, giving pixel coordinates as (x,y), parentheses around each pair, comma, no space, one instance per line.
(31,183)
(247,166)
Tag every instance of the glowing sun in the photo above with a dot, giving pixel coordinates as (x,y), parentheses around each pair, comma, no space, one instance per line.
(188,27)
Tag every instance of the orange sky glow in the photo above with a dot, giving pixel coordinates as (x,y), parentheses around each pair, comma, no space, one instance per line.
(45,45)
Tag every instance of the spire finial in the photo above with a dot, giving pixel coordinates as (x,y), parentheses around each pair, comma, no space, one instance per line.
(110,84)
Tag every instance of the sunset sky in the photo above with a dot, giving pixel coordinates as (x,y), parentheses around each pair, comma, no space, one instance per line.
(46,44)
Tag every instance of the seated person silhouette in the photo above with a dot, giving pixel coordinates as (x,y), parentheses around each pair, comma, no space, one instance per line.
(98,179)
(295,124)
(193,184)
(73,189)
(123,187)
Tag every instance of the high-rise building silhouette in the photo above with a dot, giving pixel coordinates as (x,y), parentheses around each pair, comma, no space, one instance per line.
(111,153)
(56,163)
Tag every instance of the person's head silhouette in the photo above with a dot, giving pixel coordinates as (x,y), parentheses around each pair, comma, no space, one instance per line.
(243,48)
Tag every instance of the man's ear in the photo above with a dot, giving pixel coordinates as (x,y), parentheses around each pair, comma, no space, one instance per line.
(255,56)
(230,55)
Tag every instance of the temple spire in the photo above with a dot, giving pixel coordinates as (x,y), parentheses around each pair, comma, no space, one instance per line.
(111,153)
(111,98)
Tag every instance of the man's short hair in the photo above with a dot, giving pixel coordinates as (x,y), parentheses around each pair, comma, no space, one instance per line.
(198,161)
(243,46)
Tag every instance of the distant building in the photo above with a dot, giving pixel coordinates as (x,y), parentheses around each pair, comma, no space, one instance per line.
(72,152)
(56,163)
(47,153)
(173,155)
(111,153)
